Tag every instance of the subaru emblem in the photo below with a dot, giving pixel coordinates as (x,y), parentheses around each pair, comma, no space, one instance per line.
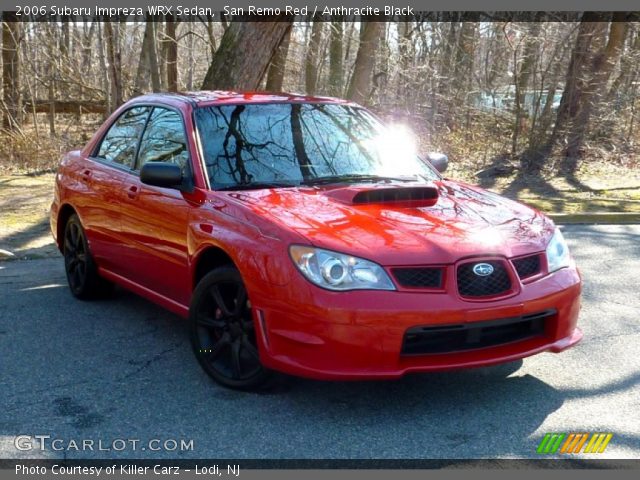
(483,269)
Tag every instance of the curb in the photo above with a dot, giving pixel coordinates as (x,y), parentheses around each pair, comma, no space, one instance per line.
(614,218)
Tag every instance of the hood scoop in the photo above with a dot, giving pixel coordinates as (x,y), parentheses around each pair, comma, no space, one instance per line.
(418,196)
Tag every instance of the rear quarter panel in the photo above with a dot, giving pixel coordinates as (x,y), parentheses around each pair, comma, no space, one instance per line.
(66,183)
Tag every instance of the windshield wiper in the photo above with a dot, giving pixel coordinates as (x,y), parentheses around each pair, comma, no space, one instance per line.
(255,186)
(355,178)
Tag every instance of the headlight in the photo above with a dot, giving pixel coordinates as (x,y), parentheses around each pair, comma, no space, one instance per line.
(557,252)
(337,271)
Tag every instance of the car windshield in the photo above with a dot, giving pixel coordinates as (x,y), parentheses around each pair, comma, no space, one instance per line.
(290,144)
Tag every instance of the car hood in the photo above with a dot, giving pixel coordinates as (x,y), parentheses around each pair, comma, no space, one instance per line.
(460,221)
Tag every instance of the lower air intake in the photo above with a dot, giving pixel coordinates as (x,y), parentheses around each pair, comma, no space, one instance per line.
(456,338)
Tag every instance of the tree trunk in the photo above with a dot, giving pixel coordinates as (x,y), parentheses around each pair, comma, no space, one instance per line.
(191,57)
(349,35)
(311,59)
(172,54)
(161,34)
(592,61)
(211,36)
(405,52)
(463,71)
(144,72)
(245,51)
(444,101)
(114,65)
(52,105)
(335,56)
(148,64)
(360,85)
(11,71)
(628,67)
(156,84)
(275,75)
(102,57)
(521,80)
(544,113)
(65,43)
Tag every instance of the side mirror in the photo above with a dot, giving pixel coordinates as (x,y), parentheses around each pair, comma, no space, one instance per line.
(439,160)
(168,175)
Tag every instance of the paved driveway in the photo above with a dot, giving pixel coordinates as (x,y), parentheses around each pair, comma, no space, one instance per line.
(122,369)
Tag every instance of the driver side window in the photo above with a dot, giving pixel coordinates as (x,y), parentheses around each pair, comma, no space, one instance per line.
(164,140)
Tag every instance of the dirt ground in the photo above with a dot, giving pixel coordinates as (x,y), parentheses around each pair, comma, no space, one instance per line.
(24,216)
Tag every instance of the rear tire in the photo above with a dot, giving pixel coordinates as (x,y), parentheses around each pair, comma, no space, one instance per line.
(82,273)
(223,333)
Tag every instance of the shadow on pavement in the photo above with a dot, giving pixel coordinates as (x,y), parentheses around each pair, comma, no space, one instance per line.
(124,365)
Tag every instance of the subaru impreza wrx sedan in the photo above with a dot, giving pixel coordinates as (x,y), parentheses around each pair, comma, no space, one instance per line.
(302,235)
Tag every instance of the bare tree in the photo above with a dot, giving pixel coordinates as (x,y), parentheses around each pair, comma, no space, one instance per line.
(335,56)
(190,57)
(487,90)
(245,52)
(405,50)
(360,85)
(148,63)
(11,33)
(595,54)
(172,54)
(464,63)
(114,65)
(523,69)
(275,75)
(311,60)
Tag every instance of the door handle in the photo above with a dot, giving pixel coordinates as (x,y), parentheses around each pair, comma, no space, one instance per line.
(132,192)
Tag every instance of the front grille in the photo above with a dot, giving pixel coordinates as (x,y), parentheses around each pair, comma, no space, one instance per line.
(472,285)
(456,338)
(419,277)
(527,266)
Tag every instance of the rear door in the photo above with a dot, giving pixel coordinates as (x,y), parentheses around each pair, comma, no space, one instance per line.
(155,219)
(110,164)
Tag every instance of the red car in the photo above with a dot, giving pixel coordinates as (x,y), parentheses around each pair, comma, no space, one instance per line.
(301,235)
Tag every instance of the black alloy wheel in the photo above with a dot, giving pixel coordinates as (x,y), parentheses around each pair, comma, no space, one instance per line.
(223,333)
(82,273)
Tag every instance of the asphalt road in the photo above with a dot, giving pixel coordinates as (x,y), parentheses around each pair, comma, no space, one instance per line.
(123,369)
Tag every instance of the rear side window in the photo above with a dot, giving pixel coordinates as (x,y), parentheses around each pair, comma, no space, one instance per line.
(121,141)
(164,140)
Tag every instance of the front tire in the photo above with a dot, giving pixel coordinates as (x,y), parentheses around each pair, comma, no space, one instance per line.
(82,273)
(223,332)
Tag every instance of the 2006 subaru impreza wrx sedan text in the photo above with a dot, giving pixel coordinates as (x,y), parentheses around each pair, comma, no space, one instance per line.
(301,235)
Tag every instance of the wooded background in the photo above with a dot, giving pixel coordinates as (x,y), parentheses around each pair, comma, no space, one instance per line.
(505,94)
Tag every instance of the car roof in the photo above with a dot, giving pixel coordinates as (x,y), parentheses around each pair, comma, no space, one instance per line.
(222,97)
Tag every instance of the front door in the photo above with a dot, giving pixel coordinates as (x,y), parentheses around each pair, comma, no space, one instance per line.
(155,219)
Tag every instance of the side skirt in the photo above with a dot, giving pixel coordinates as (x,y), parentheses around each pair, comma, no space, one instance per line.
(154,297)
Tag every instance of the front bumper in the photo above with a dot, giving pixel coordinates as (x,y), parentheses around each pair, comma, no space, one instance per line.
(306,331)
